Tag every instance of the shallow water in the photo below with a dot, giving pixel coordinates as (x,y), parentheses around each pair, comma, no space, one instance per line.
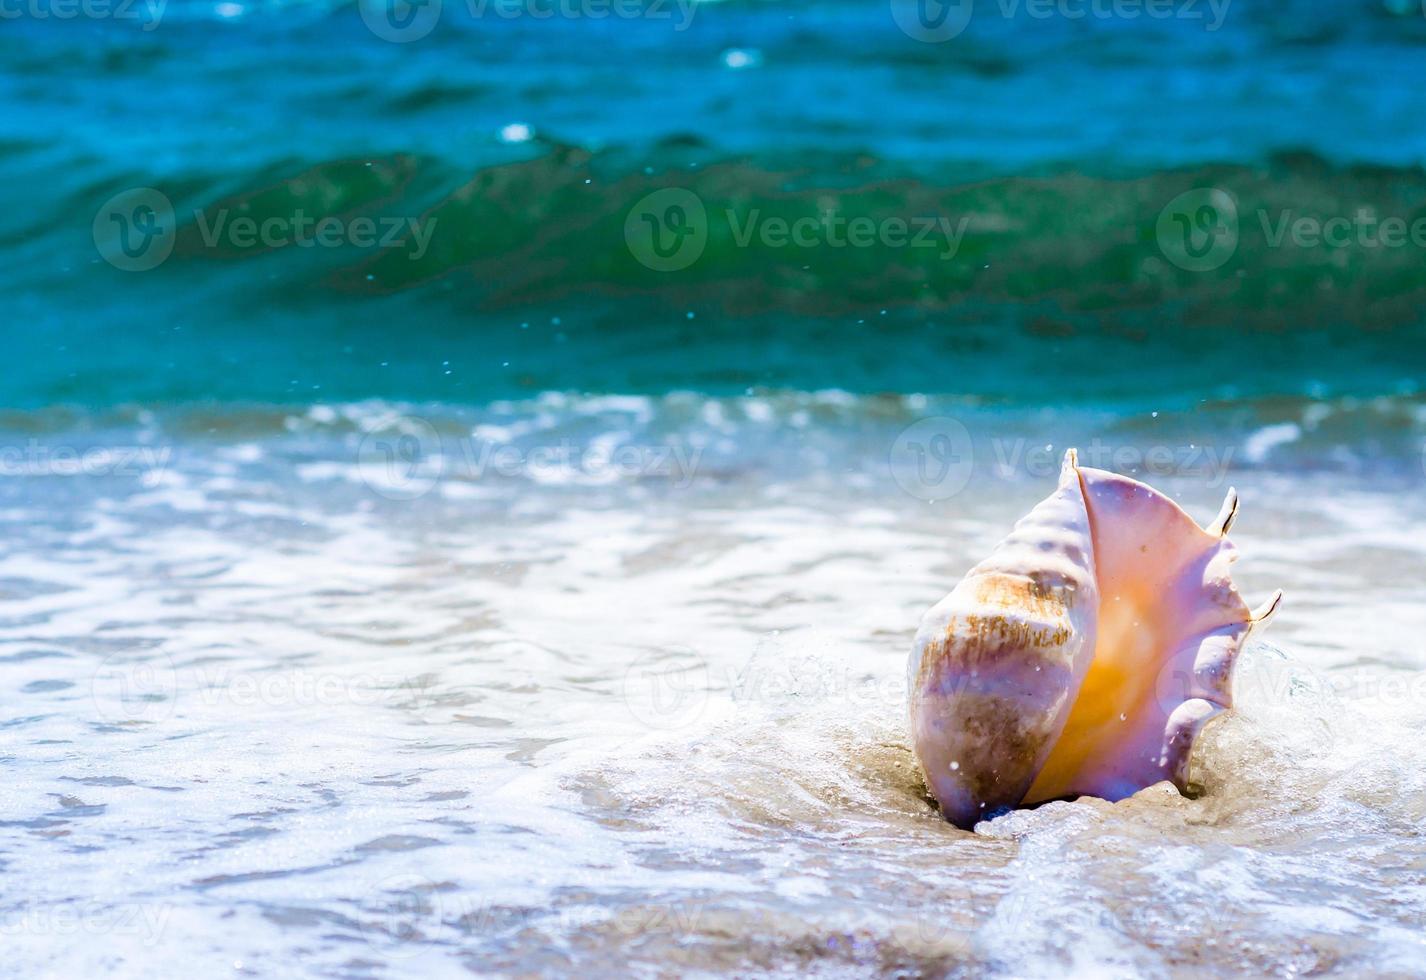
(616,686)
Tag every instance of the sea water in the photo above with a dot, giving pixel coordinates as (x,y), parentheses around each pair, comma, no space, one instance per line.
(516,608)
(628,696)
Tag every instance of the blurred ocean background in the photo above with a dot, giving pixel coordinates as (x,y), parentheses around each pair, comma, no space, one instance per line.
(529,139)
(518,594)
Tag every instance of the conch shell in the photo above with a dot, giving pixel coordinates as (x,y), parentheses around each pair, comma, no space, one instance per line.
(1084,656)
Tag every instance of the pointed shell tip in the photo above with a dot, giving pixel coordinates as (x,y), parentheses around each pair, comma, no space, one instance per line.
(1267,610)
(1227,514)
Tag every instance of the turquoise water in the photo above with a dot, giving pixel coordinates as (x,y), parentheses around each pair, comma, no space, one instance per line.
(523,143)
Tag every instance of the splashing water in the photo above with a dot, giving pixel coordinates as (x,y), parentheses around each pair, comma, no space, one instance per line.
(292,691)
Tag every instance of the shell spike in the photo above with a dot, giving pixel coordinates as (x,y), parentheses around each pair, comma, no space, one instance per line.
(1226,515)
(1265,612)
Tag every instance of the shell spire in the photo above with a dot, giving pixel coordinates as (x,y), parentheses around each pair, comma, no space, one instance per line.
(1084,656)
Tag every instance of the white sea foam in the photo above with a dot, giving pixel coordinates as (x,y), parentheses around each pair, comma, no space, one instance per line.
(262,711)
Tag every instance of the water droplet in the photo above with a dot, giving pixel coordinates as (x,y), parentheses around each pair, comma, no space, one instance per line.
(515,132)
(955,766)
(742,58)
